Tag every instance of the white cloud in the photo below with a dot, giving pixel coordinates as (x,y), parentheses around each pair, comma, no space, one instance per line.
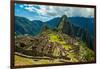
(57,11)
(70,11)
(29,9)
(83,12)
(21,6)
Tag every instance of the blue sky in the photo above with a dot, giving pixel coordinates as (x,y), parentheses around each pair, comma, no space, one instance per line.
(45,13)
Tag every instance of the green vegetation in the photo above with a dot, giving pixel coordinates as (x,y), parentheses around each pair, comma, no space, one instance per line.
(26,61)
(86,54)
(22,61)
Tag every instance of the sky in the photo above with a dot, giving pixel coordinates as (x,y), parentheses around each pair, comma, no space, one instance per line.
(47,12)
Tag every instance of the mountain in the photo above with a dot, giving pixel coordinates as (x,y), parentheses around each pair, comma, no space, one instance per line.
(52,24)
(77,21)
(80,27)
(76,27)
(38,26)
(21,25)
(73,26)
(83,22)
(54,44)
(25,26)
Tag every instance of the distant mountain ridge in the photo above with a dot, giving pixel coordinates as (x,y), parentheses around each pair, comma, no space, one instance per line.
(25,26)
(74,26)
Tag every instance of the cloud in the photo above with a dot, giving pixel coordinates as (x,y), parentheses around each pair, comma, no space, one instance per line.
(49,12)
(29,9)
(70,11)
(83,12)
(59,11)
(21,6)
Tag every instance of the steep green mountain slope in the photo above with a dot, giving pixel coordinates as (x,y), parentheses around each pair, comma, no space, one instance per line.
(73,26)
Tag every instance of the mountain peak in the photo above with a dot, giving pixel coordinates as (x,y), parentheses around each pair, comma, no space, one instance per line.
(64,16)
(61,23)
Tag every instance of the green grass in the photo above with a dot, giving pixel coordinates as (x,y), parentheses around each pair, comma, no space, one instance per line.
(53,37)
(22,61)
